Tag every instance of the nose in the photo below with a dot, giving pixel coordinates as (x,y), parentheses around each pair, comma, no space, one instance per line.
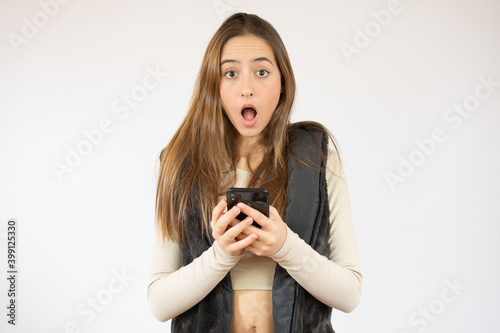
(246,87)
(246,93)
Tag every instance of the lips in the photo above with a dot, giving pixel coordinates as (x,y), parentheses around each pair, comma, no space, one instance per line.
(249,115)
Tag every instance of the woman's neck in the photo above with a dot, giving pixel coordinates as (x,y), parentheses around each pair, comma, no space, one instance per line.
(251,155)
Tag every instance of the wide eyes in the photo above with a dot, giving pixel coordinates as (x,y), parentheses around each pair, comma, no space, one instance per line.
(231,74)
(262,73)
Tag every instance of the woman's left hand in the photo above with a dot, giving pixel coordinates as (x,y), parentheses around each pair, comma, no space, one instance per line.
(272,234)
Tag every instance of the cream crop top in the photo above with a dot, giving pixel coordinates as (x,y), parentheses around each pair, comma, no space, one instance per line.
(336,281)
(251,271)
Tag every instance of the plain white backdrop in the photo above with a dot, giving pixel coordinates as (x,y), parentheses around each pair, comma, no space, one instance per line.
(386,77)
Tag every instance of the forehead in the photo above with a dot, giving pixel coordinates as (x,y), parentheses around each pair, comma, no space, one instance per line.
(246,48)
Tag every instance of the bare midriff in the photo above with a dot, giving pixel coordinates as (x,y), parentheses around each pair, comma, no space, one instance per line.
(252,311)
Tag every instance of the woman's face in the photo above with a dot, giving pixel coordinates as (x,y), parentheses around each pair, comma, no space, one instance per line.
(250,85)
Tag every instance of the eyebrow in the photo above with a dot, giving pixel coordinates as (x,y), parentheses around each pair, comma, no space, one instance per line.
(254,60)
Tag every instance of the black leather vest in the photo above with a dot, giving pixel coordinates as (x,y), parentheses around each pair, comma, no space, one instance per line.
(307,214)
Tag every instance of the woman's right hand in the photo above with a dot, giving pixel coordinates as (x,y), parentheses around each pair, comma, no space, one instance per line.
(225,229)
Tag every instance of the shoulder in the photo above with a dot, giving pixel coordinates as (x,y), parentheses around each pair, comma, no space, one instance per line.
(334,165)
(308,134)
(309,127)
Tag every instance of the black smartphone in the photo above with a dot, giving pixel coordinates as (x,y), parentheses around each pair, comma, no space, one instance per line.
(257,198)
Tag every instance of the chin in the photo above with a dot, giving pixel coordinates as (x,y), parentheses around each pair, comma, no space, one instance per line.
(250,133)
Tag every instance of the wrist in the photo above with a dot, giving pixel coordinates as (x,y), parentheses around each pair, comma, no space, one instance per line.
(223,258)
(286,247)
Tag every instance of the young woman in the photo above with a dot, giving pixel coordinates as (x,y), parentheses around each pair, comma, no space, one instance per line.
(214,273)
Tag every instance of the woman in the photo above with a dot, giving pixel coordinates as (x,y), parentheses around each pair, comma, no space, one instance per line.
(213,273)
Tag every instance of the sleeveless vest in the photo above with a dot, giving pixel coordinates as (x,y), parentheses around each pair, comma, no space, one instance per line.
(307,214)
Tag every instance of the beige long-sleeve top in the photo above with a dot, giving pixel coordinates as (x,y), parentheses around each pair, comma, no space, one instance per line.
(335,280)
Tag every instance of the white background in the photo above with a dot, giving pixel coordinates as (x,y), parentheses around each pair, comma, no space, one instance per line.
(438,227)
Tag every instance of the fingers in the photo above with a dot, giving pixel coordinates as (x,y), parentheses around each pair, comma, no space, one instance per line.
(271,237)
(232,241)
(220,220)
(234,236)
(226,229)
(264,221)
(257,216)
(218,211)
(238,228)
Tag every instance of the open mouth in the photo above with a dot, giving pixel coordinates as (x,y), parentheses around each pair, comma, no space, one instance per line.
(249,115)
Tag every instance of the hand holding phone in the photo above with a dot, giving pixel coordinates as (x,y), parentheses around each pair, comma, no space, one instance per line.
(257,198)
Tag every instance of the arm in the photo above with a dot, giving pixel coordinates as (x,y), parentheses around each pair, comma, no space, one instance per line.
(174,289)
(335,281)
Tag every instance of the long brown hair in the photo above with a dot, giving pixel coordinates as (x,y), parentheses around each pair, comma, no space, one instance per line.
(204,149)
